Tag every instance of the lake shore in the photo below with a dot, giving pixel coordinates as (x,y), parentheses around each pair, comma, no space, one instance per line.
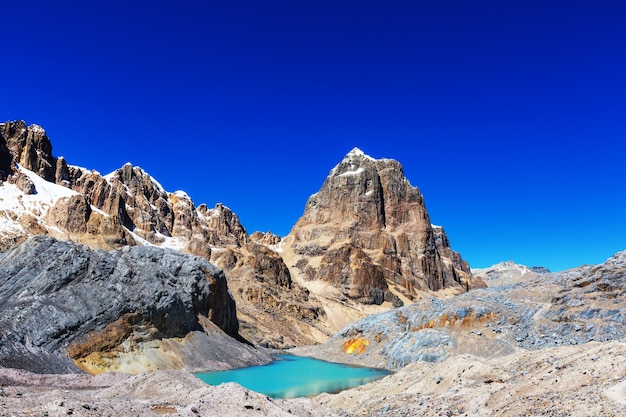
(575,380)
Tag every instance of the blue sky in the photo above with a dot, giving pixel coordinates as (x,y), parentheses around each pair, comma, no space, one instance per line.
(509,116)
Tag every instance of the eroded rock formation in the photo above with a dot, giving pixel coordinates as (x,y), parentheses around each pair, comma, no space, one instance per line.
(64,307)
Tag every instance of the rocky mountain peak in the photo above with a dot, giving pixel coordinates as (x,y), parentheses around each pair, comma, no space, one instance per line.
(357,153)
(26,146)
(366,206)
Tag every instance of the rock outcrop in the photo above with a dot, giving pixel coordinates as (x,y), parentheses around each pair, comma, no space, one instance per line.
(367,232)
(29,147)
(64,307)
(530,312)
(273,310)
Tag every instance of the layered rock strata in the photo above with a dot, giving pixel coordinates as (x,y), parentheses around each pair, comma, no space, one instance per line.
(64,307)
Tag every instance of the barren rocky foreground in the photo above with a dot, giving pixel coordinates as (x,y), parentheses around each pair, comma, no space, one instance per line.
(552,365)
(582,380)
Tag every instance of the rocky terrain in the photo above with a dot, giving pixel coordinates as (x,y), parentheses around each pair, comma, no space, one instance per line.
(65,308)
(173,393)
(295,292)
(569,373)
(554,309)
(113,273)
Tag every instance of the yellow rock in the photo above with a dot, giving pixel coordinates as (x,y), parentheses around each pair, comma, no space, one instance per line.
(356,345)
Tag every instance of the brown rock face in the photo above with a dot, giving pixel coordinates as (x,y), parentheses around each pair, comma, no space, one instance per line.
(355,273)
(367,230)
(29,147)
(273,311)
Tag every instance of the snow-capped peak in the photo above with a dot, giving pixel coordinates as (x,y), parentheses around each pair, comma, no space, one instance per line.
(353,158)
(37,128)
(356,152)
(154,182)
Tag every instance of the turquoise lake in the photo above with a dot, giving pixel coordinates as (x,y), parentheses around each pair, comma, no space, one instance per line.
(296,376)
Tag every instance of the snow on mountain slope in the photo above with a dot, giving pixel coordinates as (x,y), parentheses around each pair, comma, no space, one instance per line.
(16,206)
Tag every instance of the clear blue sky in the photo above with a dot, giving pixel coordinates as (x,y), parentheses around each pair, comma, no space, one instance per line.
(509,116)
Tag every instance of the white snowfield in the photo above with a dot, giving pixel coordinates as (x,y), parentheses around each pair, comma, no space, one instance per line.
(15,204)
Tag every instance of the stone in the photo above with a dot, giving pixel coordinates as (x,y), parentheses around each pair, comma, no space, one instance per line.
(24,184)
(65,307)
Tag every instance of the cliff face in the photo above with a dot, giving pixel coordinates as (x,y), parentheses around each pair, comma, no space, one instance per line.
(64,307)
(367,232)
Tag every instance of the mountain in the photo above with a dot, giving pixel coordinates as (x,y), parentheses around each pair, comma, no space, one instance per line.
(382,255)
(367,234)
(508,272)
(367,231)
(42,194)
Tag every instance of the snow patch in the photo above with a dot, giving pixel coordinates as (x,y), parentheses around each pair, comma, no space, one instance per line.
(156,184)
(181,194)
(357,152)
(15,204)
(37,128)
(97,210)
(278,248)
(521,268)
(47,191)
(171,242)
(351,173)
(83,169)
(141,240)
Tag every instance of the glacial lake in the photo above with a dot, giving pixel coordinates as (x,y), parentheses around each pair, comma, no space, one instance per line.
(296,376)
